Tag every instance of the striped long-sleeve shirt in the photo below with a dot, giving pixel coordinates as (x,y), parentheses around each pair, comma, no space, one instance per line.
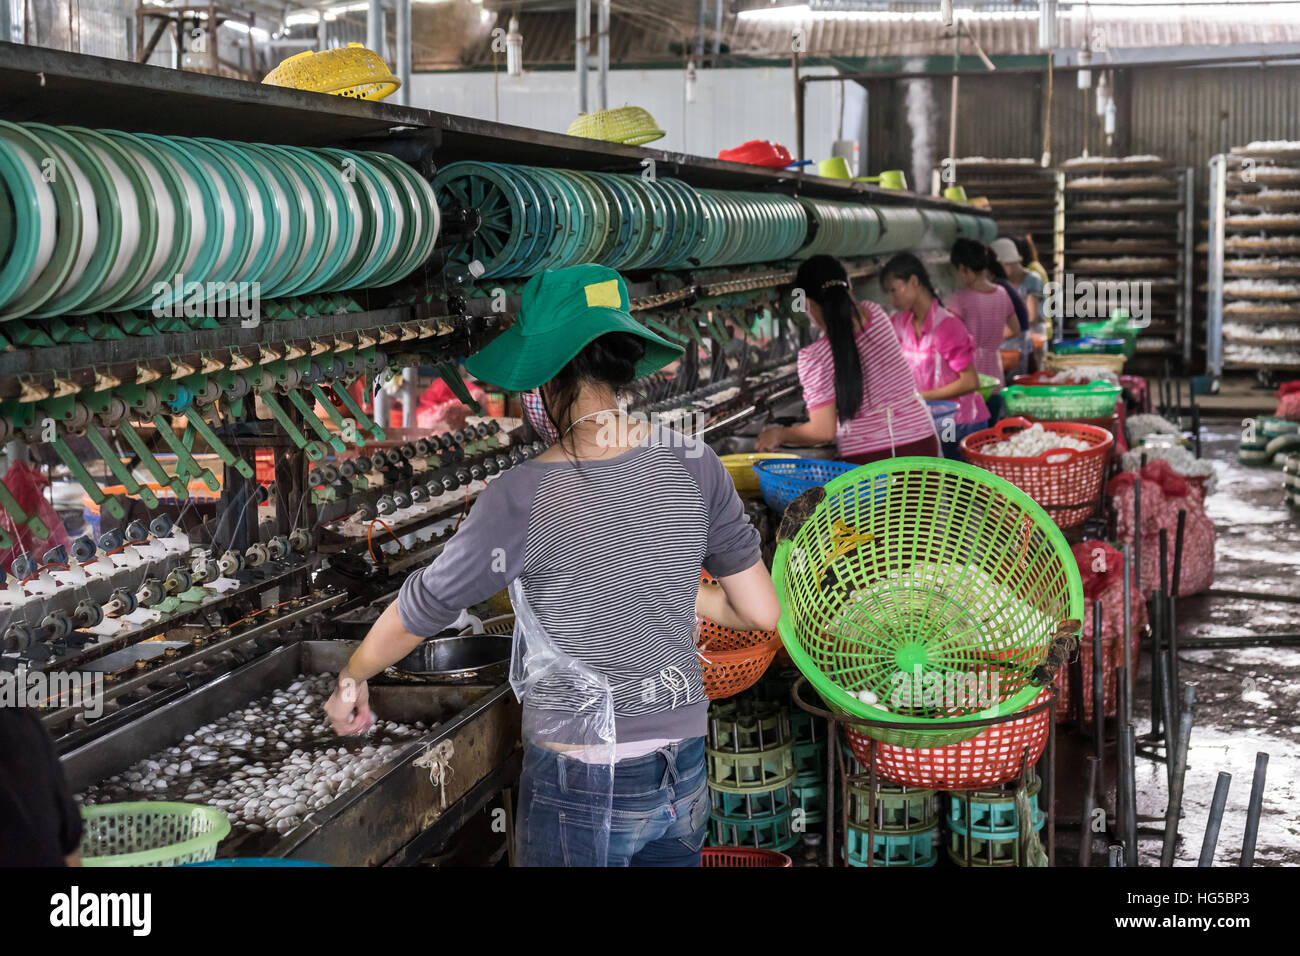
(609,552)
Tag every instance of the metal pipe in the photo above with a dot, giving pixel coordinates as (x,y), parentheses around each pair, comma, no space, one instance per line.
(1252,812)
(409,394)
(1216,818)
(1129,772)
(402,40)
(1175,808)
(375,27)
(1171,732)
(1137,535)
(717,31)
(322,34)
(1157,655)
(1116,854)
(1085,822)
(581,27)
(602,27)
(798,106)
(1098,686)
(1126,714)
(1051,781)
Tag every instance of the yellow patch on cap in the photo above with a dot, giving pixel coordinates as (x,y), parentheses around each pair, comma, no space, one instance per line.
(603,294)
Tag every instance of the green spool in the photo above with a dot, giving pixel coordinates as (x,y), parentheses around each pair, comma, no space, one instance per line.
(128,268)
(67,236)
(204,245)
(287,247)
(335,224)
(19,231)
(901,229)
(940,227)
(162,266)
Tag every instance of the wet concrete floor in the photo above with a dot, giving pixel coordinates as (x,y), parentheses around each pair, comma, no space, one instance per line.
(1247,699)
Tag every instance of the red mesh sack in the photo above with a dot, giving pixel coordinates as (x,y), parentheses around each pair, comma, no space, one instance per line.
(1288,401)
(1102,569)
(1164,494)
(27,484)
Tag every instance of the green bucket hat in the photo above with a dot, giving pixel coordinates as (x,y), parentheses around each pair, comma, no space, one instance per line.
(563,310)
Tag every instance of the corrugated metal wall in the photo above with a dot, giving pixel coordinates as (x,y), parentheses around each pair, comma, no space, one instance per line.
(1186,115)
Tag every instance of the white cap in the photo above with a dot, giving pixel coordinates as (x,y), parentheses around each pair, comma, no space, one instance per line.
(1005,250)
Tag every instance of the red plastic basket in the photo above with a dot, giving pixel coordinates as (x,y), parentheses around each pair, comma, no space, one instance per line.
(1067,483)
(743,856)
(990,758)
(732,661)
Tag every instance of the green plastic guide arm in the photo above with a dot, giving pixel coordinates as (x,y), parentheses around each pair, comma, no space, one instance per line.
(451,376)
(111,505)
(316,425)
(363,421)
(12,508)
(225,454)
(122,473)
(313,450)
(319,394)
(175,482)
(187,463)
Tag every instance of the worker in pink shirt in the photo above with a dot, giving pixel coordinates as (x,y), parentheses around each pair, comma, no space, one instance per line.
(936,345)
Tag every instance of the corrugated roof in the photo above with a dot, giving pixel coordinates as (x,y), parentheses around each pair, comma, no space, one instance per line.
(659,31)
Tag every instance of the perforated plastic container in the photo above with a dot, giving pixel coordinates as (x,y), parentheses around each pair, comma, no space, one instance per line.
(151,834)
(914,571)
(781,480)
(1066,482)
(1062,402)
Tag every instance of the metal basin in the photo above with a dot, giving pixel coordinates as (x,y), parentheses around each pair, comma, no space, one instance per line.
(477,657)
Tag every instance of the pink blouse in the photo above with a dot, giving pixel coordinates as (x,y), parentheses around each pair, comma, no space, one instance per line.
(891,413)
(985,315)
(939,355)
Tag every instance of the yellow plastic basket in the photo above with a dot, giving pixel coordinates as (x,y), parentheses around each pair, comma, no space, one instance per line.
(629,125)
(741,469)
(352,71)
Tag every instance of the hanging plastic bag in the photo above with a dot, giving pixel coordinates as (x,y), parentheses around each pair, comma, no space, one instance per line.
(566,786)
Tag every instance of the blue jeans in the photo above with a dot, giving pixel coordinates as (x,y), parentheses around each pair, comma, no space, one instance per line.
(660,810)
(952,449)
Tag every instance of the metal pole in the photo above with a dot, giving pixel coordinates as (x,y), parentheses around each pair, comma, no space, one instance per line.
(1175,808)
(717,32)
(798,106)
(1116,855)
(402,39)
(1252,812)
(581,27)
(1214,267)
(375,27)
(1126,715)
(322,34)
(1085,823)
(1129,770)
(602,26)
(1098,688)
(1216,818)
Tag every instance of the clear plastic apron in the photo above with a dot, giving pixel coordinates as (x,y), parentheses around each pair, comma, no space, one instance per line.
(534,659)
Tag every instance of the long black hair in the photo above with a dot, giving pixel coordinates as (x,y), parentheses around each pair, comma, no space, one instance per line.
(824,281)
(609,360)
(971,254)
(904,266)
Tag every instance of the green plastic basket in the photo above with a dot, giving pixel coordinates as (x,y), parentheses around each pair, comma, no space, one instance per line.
(151,834)
(916,575)
(1112,329)
(988,385)
(1062,402)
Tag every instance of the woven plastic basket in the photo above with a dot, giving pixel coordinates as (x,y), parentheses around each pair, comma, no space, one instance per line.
(151,834)
(740,856)
(782,480)
(351,71)
(1058,402)
(741,469)
(629,125)
(1067,483)
(1090,345)
(988,759)
(732,661)
(1057,362)
(933,585)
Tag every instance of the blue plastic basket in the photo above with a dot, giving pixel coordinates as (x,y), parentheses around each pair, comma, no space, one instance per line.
(940,410)
(781,480)
(250,861)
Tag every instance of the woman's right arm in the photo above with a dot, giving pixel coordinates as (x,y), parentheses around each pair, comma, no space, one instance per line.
(967,382)
(746,601)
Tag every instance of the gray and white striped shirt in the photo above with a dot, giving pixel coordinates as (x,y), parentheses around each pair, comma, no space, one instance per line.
(610,553)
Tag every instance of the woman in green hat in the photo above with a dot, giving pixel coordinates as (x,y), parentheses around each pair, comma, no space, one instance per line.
(601,540)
